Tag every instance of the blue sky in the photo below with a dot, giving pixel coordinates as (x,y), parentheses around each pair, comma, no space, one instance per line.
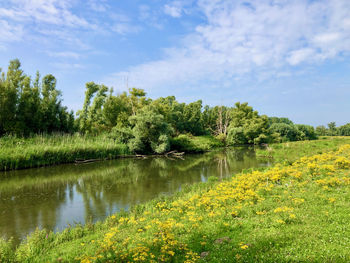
(285,58)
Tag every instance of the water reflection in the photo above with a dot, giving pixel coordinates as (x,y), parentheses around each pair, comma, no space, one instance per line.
(56,196)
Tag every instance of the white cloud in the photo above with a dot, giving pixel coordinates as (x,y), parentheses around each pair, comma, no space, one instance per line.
(125,28)
(54,12)
(255,37)
(300,55)
(174,10)
(98,5)
(10,32)
(65,54)
(45,21)
(68,66)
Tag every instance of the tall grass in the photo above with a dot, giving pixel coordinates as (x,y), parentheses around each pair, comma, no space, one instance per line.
(42,150)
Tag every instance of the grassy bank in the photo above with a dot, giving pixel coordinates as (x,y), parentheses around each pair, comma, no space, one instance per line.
(290,151)
(288,213)
(19,153)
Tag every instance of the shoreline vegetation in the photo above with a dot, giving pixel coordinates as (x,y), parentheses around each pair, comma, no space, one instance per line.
(129,123)
(296,210)
(45,150)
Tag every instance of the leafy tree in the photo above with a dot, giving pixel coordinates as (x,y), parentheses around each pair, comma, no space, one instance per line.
(344,130)
(51,104)
(91,89)
(137,99)
(172,112)
(273,120)
(332,129)
(116,110)
(321,130)
(9,89)
(150,132)
(306,132)
(192,118)
(253,127)
(286,131)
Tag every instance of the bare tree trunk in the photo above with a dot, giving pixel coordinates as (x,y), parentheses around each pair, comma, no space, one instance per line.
(219,122)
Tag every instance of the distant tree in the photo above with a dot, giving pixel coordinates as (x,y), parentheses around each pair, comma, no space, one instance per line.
(286,131)
(332,129)
(272,120)
(321,130)
(306,132)
(344,130)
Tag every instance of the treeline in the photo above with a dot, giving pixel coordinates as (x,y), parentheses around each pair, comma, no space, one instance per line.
(31,106)
(333,130)
(34,106)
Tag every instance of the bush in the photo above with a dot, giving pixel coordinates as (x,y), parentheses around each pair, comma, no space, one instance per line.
(287,132)
(151,134)
(221,137)
(306,132)
(121,134)
(236,136)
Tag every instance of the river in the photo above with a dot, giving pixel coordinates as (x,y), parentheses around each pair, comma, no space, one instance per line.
(58,196)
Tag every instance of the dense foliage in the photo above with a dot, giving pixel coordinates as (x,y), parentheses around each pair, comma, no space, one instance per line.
(31,106)
(333,130)
(146,125)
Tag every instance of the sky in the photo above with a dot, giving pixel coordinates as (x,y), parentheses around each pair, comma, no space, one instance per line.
(286,58)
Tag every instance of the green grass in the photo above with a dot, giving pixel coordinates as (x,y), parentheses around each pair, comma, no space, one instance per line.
(288,213)
(288,152)
(44,150)
(19,153)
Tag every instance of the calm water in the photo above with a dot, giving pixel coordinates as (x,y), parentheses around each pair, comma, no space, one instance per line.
(54,197)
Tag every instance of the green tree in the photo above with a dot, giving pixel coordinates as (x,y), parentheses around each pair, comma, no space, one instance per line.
(150,132)
(287,132)
(344,130)
(306,132)
(91,89)
(251,124)
(321,130)
(332,129)
(192,118)
(9,90)
(51,104)
(116,110)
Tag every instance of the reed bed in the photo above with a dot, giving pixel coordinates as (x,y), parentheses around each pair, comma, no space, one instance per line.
(43,150)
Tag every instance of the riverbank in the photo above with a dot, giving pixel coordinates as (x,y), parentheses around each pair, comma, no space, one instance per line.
(290,212)
(45,150)
(291,151)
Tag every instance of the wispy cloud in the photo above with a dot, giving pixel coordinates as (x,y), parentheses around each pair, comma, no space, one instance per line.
(248,37)
(174,9)
(50,22)
(65,54)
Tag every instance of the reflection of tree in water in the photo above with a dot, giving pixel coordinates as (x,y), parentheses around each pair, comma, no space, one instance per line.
(107,186)
(29,208)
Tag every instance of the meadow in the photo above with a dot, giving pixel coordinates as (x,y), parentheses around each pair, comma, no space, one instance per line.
(295,211)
